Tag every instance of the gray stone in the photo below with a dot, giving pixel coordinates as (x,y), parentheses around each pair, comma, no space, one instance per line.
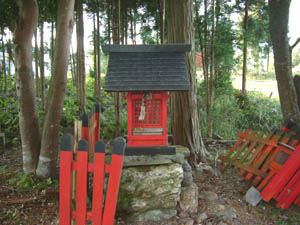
(146,191)
(206,168)
(187,179)
(208,195)
(178,158)
(253,196)
(183,150)
(186,221)
(201,217)
(228,213)
(155,215)
(186,166)
(188,200)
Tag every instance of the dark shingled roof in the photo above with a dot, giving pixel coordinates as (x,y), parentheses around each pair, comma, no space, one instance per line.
(147,68)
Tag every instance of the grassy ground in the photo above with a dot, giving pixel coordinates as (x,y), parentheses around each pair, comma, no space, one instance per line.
(267,87)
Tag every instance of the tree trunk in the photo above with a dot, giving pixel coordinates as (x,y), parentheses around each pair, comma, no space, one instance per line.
(162,20)
(245,49)
(279,18)
(4,63)
(95,57)
(36,56)
(52,45)
(28,116)
(80,57)
(184,119)
(109,12)
(50,145)
(98,59)
(210,99)
(116,40)
(42,67)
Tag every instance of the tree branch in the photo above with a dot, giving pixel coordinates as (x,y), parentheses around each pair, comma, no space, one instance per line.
(295,44)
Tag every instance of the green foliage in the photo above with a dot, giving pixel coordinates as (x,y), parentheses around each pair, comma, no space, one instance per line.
(234,112)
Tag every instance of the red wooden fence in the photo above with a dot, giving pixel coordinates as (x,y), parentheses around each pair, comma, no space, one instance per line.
(99,214)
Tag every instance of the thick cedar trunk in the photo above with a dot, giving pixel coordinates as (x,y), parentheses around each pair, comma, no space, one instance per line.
(28,116)
(50,145)
(210,99)
(245,47)
(279,18)
(184,120)
(42,67)
(80,57)
(36,56)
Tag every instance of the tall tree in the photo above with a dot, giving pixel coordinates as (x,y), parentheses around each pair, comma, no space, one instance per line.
(279,18)
(28,117)
(49,149)
(184,120)
(42,66)
(36,57)
(245,47)
(80,56)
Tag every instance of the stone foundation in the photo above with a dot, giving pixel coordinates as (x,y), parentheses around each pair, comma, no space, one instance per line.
(151,187)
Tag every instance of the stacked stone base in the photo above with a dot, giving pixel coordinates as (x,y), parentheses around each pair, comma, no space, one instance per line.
(156,188)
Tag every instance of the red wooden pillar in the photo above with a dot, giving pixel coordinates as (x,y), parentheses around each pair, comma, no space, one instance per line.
(81,185)
(65,188)
(98,186)
(114,181)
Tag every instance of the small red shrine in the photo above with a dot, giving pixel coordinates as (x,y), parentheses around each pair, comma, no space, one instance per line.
(147,73)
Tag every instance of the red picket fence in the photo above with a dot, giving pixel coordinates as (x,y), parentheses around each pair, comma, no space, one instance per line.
(270,162)
(101,213)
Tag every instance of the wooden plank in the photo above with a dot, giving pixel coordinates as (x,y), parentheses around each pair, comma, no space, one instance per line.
(65,180)
(98,183)
(114,181)
(276,185)
(81,184)
(292,194)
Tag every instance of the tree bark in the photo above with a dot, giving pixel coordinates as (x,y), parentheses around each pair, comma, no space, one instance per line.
(184,119)
(42,67)
(52,45)
(36,56)
(162,20)
(245,48)
(279,18)
(49,149)
(4,63)
(80,57)
(210,98)
(28,116)
(98,59)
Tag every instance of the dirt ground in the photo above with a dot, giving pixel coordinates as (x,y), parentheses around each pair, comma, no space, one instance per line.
(27,200)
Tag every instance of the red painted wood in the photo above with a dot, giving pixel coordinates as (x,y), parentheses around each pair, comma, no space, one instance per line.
(156,117)
(98,186)
(278,182)
(85,133)
(65,188)
(112,190)
(291,196)
(81,187)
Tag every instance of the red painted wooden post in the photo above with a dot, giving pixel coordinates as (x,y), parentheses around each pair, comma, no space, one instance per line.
(98,186)
(81,185)
(85,127)
(282,177)
(114,181)
(65,180)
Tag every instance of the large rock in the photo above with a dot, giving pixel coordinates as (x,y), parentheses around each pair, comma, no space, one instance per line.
(150,192)
(188,204)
